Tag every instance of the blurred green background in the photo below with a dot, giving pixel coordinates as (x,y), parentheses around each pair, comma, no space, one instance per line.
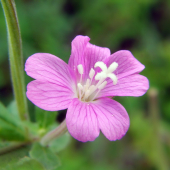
(141,26)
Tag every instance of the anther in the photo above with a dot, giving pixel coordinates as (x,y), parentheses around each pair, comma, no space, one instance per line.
(92,73)
(80,69)
(88,82)
(80,86)
(86,86)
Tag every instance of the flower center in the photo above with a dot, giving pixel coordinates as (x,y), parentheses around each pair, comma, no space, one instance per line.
(88,91)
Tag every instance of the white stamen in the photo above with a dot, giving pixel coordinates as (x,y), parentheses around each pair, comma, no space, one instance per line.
(80,69)
(92,73)
(102,86)
(91,87)
(86,86)
(113,77)
(112,67)
(101,65)
(88,82)
(88,92)
(80,88)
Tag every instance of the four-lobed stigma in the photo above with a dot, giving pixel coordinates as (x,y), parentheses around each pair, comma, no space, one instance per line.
(89,91)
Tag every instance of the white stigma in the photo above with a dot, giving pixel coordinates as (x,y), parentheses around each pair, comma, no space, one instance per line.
(90,91)
(101,65)
(112,67)
(113,77)
(106,72)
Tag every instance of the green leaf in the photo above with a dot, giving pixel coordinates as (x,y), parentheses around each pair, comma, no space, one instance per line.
(45,156)
(27,163)
(12,109)
(12,157)
(60,143)
(33,128)
(10,127)
(6,116)
(44,118)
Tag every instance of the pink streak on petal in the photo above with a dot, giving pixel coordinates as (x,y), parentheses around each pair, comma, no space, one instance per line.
(82,121)
(49,96)
(112,118)
(44,66)
(127,63)
(133,85)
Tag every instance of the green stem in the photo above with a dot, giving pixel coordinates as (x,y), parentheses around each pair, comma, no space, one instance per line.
(12,147)
(15,57)
(57,132)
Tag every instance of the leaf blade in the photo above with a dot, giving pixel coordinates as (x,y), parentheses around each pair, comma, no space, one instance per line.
(45,156)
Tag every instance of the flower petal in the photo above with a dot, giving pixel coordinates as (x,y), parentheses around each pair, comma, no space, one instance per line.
(92,55)
(49,96)
(127,63)
(78,46)
(112,117)
(82,121)
(86,54)
(44,66)
(133,85)
(85,119)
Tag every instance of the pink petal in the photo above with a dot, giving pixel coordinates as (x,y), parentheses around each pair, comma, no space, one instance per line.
(127,63)
(92,55)
(78,46)
(86,54)
(44,66)
(49,96)
(82,121)
(112,117)
(85,119)
(133,85)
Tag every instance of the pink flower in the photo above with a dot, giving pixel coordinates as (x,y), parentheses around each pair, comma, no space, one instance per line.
(85,86)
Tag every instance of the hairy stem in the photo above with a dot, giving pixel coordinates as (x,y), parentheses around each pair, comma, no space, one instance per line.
(15,57)
(57,132)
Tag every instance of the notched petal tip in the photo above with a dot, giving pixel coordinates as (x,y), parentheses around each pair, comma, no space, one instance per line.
(112,117)
(80,38)
(84,120)
(81,121)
